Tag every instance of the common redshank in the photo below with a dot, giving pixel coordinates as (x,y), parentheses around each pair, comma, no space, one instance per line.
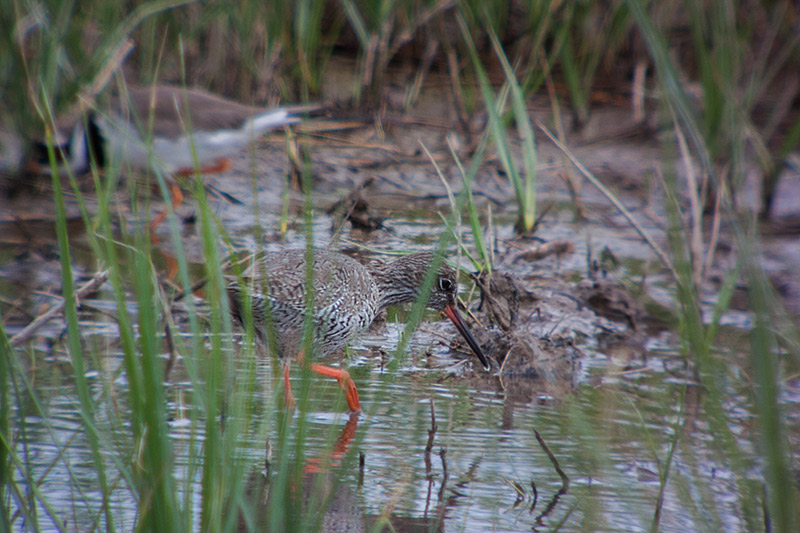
(173,129)
(346,298)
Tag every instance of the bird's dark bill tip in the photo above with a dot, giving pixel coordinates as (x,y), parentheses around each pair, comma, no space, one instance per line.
(455,317)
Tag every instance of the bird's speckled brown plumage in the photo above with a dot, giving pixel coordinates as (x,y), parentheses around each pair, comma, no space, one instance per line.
(345,299)
(347,296)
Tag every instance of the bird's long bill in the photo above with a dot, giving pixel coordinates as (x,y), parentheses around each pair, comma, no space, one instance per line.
(453,314)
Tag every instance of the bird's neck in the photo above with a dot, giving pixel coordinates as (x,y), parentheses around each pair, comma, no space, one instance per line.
(85,145)
(398,281)
(95,143)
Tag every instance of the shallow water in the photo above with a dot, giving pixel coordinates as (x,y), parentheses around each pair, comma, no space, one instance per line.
(610,426)
(609,429)
(601,435)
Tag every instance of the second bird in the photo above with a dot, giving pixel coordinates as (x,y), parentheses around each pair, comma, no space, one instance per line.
(173,129)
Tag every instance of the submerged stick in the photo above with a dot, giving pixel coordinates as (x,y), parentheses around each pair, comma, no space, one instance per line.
(561,474)
(29,330)
(429,444)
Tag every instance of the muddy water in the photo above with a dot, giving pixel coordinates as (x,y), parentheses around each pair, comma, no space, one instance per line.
(601,433)
(608,421)
(486,469)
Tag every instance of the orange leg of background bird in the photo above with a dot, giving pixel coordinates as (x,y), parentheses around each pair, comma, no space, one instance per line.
(345,382)
(223,164)
(287,387)
(177,200)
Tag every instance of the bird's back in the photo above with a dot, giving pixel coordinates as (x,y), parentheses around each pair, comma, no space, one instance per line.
(183,124)
(344,294)
(174,109)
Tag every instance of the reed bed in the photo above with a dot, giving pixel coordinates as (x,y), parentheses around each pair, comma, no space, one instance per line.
(59,56)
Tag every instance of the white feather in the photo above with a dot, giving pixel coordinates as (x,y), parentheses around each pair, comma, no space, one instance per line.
(127,147)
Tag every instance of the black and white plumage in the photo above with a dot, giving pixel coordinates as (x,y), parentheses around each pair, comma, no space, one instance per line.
(173,129)
(347,296)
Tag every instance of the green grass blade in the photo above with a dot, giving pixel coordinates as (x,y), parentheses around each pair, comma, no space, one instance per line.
(523,121)
(472,210)
(357,23)
(670,81)
(498,130)
(74,338)
(781,491)
(6,471)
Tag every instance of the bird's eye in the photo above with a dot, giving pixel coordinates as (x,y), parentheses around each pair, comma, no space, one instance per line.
(445,284)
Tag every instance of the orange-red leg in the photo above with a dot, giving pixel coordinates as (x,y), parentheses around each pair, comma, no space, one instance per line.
(345,382)
(170,263)
(223,164)
(342,376)
(177,196)
(177,200)
(287,387)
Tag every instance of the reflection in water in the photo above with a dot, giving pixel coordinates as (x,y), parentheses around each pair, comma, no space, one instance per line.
(317,496)
(439,453)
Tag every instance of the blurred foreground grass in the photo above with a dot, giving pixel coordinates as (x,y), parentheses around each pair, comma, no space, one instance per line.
(723,75)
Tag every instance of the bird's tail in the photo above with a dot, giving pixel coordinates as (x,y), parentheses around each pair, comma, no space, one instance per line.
(283,116)
(270,120)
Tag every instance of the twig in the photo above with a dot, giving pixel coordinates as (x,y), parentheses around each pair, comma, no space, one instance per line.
(561,474)
(432,431)
(227,265)
(182,294)
(29,330)
(503,365)
(87,96)
(712,241)
(429,445)
(362,461)
(445,475)
(519,490)
(696,228)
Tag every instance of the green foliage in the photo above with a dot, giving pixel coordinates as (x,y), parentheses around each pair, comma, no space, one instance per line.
(53,51)
(524,186)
